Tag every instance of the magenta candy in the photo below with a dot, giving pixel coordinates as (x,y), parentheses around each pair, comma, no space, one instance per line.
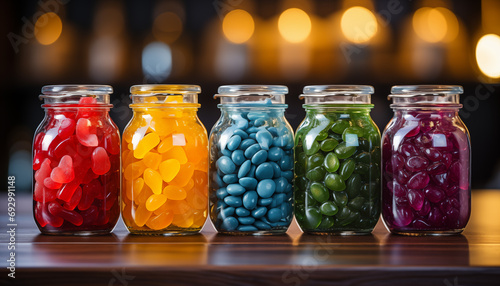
(418,181)
(416,163)
(416,199)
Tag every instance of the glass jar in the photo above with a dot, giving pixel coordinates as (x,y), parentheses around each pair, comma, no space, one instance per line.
(426,161)
(76,162)
(165,162)
(337,162)
(251,161)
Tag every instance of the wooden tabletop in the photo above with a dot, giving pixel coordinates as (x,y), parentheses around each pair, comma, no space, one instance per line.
(292,259)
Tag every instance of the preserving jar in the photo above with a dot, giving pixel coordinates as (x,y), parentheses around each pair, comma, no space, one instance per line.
(251,161)
(76,162)
(165,162)
(426,161)
(337,161)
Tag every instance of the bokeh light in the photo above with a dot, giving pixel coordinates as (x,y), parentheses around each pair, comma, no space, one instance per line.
(488,55)
(451,24)
(294,25)
(167,27)
(156,62)
(430,24)
(48,28)
(238,26)
(358,24)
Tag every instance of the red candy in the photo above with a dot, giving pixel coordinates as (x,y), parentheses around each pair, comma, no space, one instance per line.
(63,173)
(76,166)
(100,161)
(84,134)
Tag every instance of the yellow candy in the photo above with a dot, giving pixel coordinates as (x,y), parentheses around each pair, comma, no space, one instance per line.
(133,188)
(174,98)
(189,185)
(153,179)
(169,169)
(177,153)
(144,195)
(134,170)
(152,160)
(155,201)
(174,193)
(162,126)
(183,220)
(199,218)
(165,144)
(184,175)
(141,215)
(197,200)
(178,207)
(146,144)
(160,221)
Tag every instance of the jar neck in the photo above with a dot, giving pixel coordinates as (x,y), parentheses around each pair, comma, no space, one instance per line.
(415,112)
(238,108)
(337,108)
(64,108)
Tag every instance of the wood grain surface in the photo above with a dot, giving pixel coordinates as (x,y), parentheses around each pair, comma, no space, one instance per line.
(292,259)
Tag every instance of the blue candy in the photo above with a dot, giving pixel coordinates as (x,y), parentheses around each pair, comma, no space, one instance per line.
(274,215)
(250,151)
(259,212)
(248,183)
(266,188)
(238,157)
(233,142)
(226,165)
(227,212)
(265,202)
(259,157)
(235,190)
(247,143)
(230,223)
(246,220)
(261,225)
(286,163)
(287,175)
(264,138)
(233,201)
(244,169)
(247,228)
(259,122)
(241,211)
(250,200)
(276,170)
(264,171)
(230,179)
(281,184)
(275,154)
(241,133)
(221,193)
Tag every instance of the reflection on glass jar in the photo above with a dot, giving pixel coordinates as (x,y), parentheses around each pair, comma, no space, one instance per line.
(76,162)
(337,163)
(426,161)
(251,161)
(165,162)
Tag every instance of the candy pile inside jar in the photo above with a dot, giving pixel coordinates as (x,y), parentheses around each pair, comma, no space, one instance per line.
(252,172)
(165,165)
(426,183)
(76,168)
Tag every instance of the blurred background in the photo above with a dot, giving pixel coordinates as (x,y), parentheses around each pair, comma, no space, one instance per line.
(217,42)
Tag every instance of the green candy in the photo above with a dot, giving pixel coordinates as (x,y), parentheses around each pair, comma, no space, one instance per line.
(312,218)
(328,144)
(326,223)
(363,157)
(356,203)
(352,130)
(314,161)
(331,162)
(343,151)
(346,169)
(354,185)
(311,150)
(319,192)
(340,125)
(334,182)
(340,198)
(316,174)
(329,209)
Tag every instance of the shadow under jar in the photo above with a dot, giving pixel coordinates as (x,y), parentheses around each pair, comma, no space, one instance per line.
(76,162)
(426,162)
(337,162)
(165,162)
(251,161)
